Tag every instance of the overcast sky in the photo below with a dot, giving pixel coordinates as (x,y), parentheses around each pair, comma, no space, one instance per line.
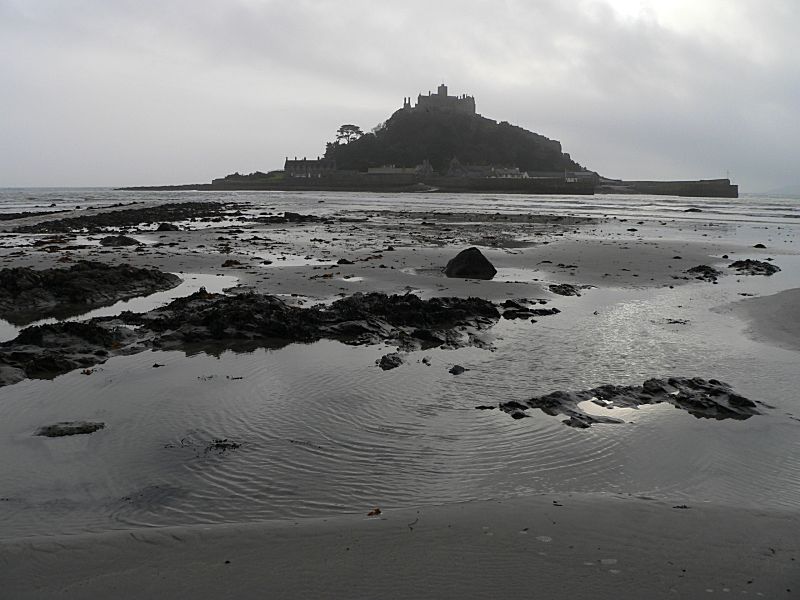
(119,92)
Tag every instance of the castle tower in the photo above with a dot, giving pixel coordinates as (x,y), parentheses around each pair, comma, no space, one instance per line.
(442,90)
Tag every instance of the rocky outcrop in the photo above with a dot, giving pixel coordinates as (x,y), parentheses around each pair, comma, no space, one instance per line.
(216,321)
(704,273)
(27,295)
(470,264)
(710,399)
(754,267)
(129,217)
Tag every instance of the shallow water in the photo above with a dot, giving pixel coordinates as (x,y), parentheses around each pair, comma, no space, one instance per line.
(324,430)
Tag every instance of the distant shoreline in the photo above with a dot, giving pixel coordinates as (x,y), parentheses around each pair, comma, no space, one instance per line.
(707,188)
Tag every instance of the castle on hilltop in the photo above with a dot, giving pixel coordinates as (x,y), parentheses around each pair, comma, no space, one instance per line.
(441,101)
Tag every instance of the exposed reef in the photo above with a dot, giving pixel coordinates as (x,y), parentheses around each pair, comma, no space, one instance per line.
(216,321)
(28,295)
(703,399)
(754,267)
(129,217)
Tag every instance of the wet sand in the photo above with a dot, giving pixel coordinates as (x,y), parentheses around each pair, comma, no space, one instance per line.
(571,546)
(773,319)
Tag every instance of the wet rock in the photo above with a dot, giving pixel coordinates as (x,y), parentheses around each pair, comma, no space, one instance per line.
(761,246)
(709,399)
(168,227)
(27,294)
(754,267)
(470,264)
(457,370)
(344,261)
(565,289)
(231,263)
(484,407)
(288,217)
(704,273)
(66,428)
(118,241)
(246,321)
(693,210)
(390,361)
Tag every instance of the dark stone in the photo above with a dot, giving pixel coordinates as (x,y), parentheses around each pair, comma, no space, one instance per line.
(693,210)
(117,241)
(390,361)
(344,261)
(483,407)
(470,264)
(69,428)
(457,370)
(168,227)
(762,246)
(231,263)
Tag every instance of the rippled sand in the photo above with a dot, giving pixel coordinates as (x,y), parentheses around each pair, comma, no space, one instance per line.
(322,431)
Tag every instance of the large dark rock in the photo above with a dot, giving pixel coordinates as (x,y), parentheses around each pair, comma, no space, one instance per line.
(168,227)
(470,264)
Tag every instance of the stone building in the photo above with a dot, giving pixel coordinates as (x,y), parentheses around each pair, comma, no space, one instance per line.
(441,101)
(309,168)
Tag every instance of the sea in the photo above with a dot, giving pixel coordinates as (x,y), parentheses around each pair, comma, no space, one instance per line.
(318,429)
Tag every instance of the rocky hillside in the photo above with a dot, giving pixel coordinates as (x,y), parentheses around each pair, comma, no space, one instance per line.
(411,136)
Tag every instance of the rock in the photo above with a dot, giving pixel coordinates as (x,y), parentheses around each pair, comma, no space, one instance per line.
(168,227)
(390,361)
(564,289)
(754,267)
(704,273)
(344,261)
(69,428)
(457,370)
(484,407)
(130,217)
(117,241)
(693,210)
(248,320)
(27,294)
(231,263)
(709,399)
(762,246)
(470,264)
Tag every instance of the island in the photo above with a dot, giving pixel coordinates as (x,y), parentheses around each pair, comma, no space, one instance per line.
(441,144)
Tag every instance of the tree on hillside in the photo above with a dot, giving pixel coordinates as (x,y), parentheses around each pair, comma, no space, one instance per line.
(348,133)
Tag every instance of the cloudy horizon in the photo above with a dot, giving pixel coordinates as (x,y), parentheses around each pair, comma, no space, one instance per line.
(100,93)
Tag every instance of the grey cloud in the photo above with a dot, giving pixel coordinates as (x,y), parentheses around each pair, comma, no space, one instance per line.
(237,85)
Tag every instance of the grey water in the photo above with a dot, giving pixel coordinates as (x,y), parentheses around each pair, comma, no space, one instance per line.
(322,430)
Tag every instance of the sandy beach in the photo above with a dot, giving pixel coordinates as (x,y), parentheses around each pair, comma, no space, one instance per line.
(571,546)
(247,468)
